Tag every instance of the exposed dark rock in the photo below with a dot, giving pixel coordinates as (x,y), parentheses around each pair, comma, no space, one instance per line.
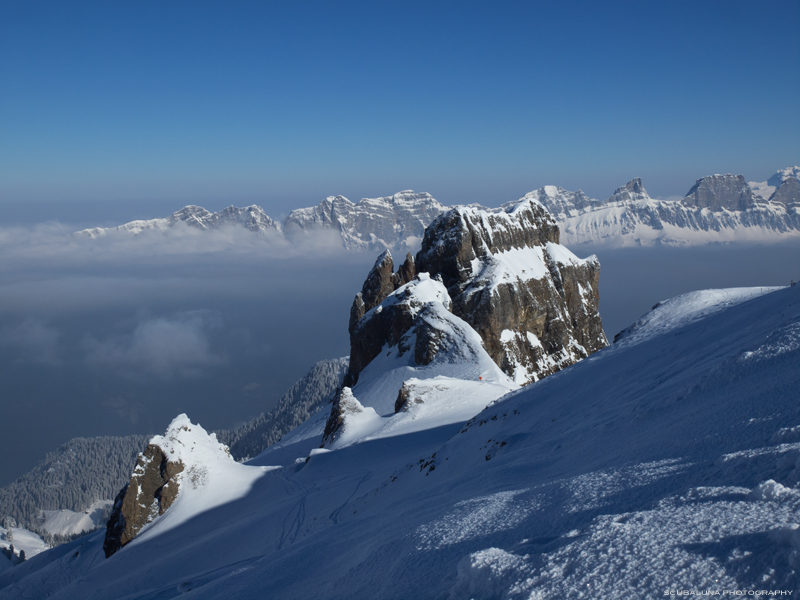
(405,273)
(564,320)
(631,191)
(343,404)
(716,192)
(531,324)
(368,336)
(407,397)
(377,286)
(402,398)
(788,193)
(151,490)
(380,282)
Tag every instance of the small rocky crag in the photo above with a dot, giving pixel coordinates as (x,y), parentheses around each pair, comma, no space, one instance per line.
(161,471)
(346,408)
(503,272)
(152,490)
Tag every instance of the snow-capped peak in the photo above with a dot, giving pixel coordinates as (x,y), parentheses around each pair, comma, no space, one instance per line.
(782,175)
(189,443)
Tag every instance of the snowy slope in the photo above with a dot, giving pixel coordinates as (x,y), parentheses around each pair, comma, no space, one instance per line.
(686,308)
(21,540)
(667,463)
(68,522)
(210,476)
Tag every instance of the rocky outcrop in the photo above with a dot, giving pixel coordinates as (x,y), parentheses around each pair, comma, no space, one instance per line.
(788,193)
(348,417)
(151,491)
(168,466)
(503,273)
(343,404)
(380,282)
(534,304)
(390,320)
(717,192)
(633,191)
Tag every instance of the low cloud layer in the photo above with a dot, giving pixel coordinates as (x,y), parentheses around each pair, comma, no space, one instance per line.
(118,335)
(165,347)
(32,341)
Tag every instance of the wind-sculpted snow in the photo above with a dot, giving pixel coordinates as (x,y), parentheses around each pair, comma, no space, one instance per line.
(175,469)
(686,308)
(667,464)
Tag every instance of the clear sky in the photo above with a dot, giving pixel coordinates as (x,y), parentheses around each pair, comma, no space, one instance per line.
(138,108)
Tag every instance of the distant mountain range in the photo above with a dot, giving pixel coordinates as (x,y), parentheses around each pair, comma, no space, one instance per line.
(396,221)
(718,208)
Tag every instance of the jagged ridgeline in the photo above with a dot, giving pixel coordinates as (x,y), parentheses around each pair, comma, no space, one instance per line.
(533,303)
(716,208)
(85,470)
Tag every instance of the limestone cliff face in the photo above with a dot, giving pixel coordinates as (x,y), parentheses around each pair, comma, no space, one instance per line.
(788,193)
(380,282)
(717,192)
(151,491)
(533,303)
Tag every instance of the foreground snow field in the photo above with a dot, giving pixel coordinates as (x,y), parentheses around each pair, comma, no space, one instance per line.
(667,462)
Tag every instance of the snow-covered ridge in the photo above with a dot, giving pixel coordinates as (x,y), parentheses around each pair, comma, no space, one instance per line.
(682,310)
(396,221)
(252,218)
(765,189)
(718,208)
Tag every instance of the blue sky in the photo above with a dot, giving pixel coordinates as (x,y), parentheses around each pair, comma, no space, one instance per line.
(135,109)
